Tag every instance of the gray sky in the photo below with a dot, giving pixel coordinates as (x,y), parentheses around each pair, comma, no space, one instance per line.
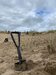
(27,15)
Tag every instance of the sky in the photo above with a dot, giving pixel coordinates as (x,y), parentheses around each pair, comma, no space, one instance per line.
(27,15)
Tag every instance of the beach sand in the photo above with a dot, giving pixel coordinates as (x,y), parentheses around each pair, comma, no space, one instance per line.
(39,50)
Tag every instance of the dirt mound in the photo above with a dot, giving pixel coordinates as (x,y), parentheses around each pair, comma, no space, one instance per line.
(26,65)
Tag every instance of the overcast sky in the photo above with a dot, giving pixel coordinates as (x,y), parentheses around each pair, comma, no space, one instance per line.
(27,15)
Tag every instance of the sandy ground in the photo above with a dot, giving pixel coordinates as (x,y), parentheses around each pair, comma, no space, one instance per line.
(40,49)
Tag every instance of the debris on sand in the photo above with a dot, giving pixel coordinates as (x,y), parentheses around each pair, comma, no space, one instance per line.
(6,40)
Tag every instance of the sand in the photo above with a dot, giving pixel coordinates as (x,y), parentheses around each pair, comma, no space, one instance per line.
(39,50)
